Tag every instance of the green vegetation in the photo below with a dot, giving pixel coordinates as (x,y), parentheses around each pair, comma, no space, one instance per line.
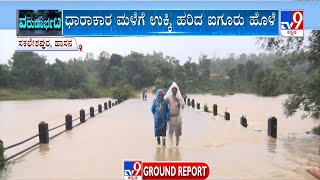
(251,73)
(31,93)
(1,155)
(289,68)
(29,76)
(121,91)
(295,56)
(316,130)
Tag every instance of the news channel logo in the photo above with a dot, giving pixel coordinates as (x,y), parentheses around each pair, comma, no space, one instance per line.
(39,23)
(292,23)
(132,170)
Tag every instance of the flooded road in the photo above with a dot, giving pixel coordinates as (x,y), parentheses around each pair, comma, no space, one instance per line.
(95,149)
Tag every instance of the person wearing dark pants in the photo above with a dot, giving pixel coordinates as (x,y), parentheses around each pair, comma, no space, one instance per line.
(143,94)
(161,116)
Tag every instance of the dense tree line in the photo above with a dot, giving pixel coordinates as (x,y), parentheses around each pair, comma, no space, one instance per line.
(304,61)
(289,68)
(244,73)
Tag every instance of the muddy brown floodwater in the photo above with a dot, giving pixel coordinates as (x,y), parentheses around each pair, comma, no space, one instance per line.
(96,149)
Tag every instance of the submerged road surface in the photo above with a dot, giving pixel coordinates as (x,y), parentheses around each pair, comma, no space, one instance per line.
(96,149)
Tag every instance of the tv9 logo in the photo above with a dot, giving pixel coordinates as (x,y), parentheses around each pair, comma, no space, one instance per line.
(292,23)
(132,170)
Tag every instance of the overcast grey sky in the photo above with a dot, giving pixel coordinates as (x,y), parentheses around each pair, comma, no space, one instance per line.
(179,47)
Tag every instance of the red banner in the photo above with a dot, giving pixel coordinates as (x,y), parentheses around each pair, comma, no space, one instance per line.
(175,170)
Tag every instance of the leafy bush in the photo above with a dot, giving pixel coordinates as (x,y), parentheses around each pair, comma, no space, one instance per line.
(54,94)
(316,130)
(90,91)
(74,94)
(122,91)
(216,87)
(89,87)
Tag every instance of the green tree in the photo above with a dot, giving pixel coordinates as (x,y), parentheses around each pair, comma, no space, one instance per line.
(28,69)
(188,70)
(103,68)
(194,71)
(251,68)
(241,72)
(266,83)
(232,73)
(4,76)
(116,60)
(205,75)
(306,94)
(108,69)
(137,81)
(118,76)
(204,63)
(58,75)
(76,75)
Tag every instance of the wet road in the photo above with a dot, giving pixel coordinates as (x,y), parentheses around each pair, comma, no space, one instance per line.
(95,150)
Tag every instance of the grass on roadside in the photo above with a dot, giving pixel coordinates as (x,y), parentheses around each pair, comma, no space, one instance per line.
(36,94)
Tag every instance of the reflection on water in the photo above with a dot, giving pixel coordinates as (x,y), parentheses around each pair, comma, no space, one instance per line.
(96,149)
(167,154)
(174,154)
(160,154)
(44,149)
(272,144)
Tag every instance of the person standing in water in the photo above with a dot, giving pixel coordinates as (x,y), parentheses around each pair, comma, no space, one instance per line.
(145,93)
(161,116)
(176,104)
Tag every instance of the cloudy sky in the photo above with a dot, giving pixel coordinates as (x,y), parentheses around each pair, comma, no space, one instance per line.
(179,47)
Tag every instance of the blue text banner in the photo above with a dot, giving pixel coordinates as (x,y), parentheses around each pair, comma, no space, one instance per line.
(170,23)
